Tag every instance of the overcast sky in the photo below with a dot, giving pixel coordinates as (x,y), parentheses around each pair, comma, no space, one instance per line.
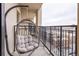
(59,14)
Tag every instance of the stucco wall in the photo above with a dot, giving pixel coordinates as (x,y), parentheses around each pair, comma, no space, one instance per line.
(27,14)
(11,21)
(39,17)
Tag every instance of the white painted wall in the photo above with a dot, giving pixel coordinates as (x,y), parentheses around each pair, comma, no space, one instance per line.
(11,21)
(24,15)
(40,17)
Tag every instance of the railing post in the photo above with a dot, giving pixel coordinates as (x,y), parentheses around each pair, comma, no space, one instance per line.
(45,35)
(60,40)
(50,39)
(75,40)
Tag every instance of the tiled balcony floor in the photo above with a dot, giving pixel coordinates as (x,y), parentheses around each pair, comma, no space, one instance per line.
(40,51)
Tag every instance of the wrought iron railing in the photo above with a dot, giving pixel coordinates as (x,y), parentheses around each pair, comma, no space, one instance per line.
(59,40)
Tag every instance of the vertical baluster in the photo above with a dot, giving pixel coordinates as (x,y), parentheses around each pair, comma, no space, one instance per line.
(64,41)
(68,41)
(56,40)
(45,35)
(39,35)
(72,43)
(75,40)
(50,38)
(61,41)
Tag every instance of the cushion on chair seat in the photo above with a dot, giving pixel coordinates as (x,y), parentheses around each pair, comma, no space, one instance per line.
(25,43)
(30,48)
(26,39)
(30,38)
(35,44)
(21,49)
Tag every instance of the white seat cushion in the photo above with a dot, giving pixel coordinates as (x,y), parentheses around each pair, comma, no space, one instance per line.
(26,39)
(21,49)
(30,38)
(34,44)
(23,44)
(27,44)
(30,48)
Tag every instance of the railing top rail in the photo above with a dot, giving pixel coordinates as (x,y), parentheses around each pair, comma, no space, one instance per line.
(60,26)
(53,26)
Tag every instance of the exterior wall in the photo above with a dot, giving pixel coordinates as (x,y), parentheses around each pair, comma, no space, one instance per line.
(78,32)
(11,21)
(27,14)
(31,15)
(39,17)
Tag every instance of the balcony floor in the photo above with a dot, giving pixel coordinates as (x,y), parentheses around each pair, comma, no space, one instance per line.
(40,51)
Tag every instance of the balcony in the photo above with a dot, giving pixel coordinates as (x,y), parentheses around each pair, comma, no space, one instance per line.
(26,38)
(51,40)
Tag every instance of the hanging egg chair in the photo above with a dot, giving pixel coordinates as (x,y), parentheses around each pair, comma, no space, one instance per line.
(26,36)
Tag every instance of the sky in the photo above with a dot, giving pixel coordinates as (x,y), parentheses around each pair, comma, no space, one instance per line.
(59,14)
